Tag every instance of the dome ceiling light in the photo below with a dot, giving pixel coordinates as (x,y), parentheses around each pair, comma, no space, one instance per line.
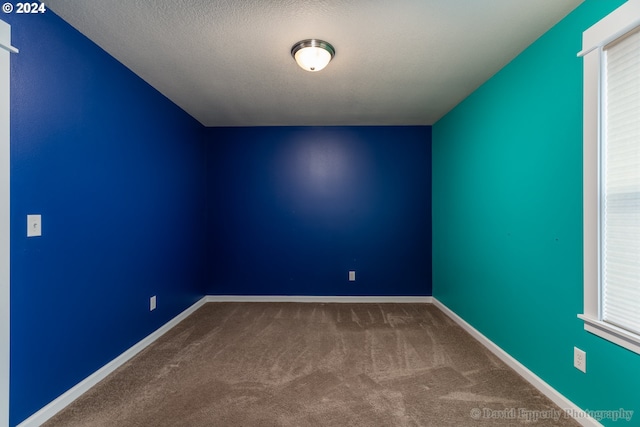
(312,54)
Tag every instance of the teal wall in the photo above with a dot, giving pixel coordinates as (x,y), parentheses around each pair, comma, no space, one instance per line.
(507,219)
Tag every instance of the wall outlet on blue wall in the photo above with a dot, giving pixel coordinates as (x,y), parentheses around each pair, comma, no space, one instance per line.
(152,303)
(352,276)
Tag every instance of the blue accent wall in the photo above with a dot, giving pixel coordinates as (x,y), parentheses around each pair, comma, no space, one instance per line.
(292,209)
(507,219)
(138,199)
(117,172)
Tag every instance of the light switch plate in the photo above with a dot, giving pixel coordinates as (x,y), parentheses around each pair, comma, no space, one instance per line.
(34,225)
(352,276)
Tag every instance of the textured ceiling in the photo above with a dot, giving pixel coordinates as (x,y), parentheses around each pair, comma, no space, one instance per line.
(228,63)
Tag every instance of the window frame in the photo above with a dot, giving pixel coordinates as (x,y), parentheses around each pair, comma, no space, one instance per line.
(618,23)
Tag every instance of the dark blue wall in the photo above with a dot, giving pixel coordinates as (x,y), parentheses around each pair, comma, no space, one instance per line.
(292,209)
(117,171)
(131,209)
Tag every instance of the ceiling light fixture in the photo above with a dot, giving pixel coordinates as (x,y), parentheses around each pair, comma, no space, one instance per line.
(312,54)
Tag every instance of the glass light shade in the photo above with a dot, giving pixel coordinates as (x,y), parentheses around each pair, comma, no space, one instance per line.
(312,55)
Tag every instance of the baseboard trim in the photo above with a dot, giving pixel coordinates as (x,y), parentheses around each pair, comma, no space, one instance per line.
(320,299)
(64,400)
(79,389)
(555,396)
(82,387)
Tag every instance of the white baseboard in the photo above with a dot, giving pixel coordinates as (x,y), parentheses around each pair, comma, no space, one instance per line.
(319,299)
(72,394)
(557,398)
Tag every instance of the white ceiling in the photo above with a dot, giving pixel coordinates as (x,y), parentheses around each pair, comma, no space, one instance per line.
(398,62)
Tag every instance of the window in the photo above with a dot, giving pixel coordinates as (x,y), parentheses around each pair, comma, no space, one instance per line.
(611,51)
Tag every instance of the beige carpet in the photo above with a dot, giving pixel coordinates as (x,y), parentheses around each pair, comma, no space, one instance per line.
(294,364)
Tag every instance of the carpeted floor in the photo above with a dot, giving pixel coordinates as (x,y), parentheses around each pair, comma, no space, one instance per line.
(294,364)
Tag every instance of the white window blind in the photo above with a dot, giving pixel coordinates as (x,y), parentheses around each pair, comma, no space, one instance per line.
(620,184)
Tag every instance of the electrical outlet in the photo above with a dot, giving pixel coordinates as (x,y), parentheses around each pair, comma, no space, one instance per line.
(580,359)
(152,303)
(352,276)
